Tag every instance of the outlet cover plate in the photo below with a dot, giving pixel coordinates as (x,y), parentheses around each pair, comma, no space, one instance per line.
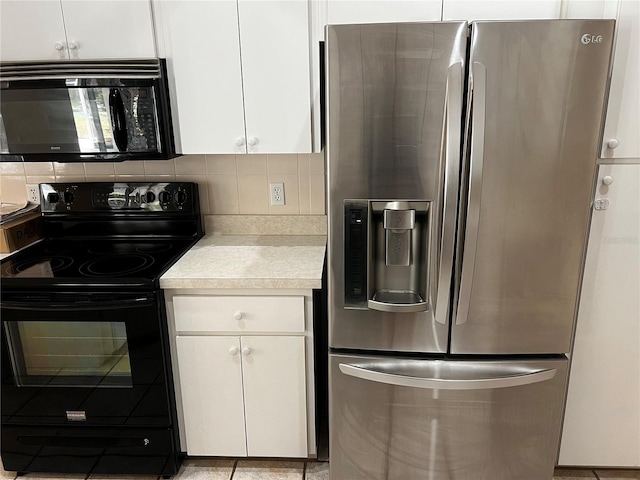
(33,193)
(276,192)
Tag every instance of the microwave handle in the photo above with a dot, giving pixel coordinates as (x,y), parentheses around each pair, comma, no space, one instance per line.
(118,119)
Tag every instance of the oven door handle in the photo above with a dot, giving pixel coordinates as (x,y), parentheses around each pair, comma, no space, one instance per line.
(81,305)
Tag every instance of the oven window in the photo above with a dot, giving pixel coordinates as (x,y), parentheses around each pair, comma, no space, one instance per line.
(83,354)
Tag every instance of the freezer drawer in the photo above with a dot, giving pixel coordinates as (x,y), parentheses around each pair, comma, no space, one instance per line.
(405,419)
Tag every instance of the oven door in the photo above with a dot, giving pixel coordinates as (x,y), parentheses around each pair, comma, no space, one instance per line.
(84,359)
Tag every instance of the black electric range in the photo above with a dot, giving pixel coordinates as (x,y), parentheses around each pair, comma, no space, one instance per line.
(87,385)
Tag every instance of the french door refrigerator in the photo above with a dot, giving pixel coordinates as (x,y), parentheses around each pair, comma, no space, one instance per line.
(461,162)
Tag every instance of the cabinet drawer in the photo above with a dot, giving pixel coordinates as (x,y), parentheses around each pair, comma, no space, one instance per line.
(238,314)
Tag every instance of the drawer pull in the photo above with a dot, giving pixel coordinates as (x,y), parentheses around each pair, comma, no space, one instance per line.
(246,351)
(233,351)
(238,315)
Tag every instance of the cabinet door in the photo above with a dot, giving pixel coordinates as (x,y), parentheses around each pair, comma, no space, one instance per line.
(374,11)
(200,41)
(98,29)
(602,419)
(621,139)
(30,30)
(274,38)
(211,386)
(273,371)
(500,9)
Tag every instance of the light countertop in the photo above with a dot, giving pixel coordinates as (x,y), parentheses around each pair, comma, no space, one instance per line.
(250,261)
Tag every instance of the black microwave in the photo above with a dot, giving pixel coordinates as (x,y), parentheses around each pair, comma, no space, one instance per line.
(85,111)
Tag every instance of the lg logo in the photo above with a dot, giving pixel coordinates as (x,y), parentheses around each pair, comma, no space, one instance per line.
(587,38)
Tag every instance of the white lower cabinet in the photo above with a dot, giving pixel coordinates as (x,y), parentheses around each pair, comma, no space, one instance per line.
(602,418)
(245,375)
(243,396)
(212,396)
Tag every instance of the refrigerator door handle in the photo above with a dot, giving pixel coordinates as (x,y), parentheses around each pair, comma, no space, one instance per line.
(473,382)
(453,103)
(478,81)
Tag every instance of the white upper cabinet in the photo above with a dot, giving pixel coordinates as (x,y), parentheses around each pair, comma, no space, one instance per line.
(274,42)
(374,11)
(31,31)
(75,29)
(621,138)
(500,9)
(200,41)
(239,74)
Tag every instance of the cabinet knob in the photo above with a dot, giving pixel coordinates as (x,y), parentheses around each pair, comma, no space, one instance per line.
(73,45)
(608,180)
(58,46)
(613,143)
(246,351)
(240,141)
(238,315)
(252,141)
(233,351)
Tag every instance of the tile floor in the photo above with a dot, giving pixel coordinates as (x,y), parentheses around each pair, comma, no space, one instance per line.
(214,469)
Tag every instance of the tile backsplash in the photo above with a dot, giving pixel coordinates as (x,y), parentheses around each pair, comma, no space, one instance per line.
(228,184)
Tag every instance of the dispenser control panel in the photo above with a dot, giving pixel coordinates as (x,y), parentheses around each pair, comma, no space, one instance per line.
(356,215)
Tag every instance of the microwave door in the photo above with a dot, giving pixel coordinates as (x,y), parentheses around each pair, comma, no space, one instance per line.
(39,121)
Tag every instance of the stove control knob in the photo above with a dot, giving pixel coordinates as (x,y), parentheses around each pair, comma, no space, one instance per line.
(53,197)
(181,197)
(164,197)
(149,197)
(68,197)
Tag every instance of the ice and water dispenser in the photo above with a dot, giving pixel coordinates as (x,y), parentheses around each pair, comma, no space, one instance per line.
(386,254)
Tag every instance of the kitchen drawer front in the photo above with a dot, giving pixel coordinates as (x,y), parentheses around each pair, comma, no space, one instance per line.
(239,314)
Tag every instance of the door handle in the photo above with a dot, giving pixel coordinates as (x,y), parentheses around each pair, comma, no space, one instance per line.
(118,119)
(476,161)
(451,155)
(472,382)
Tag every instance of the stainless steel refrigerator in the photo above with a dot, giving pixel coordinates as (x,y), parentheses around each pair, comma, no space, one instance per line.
(461,162)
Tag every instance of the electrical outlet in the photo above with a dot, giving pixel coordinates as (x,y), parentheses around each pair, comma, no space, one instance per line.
(33,193)
(277,193)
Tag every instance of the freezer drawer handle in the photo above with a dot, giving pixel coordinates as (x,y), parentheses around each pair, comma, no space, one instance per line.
(535,376)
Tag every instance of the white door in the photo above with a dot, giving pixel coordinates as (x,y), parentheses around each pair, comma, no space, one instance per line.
(211,386)
(274,39)
(99,29)
(377,11)
(200,40)
(30,30)
(273,371)
(621,139)
(500,9)
(602,419)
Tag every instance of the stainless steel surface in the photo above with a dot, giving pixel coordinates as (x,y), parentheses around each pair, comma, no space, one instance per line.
(388,432)
(544,98)
(507,196)
(388,89)
(441,375)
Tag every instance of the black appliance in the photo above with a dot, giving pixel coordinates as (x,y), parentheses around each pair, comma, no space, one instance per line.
(85,111)
(87,385)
